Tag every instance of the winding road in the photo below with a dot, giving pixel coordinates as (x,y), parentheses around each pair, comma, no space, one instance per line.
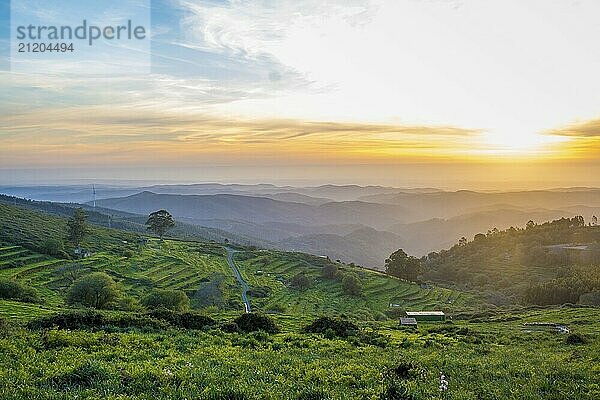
(238,276)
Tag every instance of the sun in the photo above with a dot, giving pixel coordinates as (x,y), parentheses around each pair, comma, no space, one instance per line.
(516,142)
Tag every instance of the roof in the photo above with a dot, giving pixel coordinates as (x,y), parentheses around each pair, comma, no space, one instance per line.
(408,321)
(415,313)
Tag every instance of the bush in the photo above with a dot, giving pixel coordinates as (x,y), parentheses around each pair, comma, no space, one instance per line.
(174,300)
(54,247)
(330,271)
(590,299)
(252,322)
(351,284)
(90,319)
(301,281)
(575,338)
(337,327)
(260,291)
(14,290)
(186,320)
(96,290)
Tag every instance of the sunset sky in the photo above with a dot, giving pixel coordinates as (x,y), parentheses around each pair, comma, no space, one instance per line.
(474,94)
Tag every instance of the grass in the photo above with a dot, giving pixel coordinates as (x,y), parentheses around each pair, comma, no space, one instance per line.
(484,358)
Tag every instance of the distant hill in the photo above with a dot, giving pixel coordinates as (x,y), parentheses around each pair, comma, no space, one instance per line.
(451,204)
(257,209)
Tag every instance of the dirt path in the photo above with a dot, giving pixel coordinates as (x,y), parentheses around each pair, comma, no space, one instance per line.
(238,276)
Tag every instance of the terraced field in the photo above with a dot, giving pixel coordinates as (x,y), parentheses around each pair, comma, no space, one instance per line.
(201,270)
(168,265)
(380,292)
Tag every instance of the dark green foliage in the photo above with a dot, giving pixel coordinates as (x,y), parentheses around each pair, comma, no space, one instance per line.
(253,322)
(85,375)
(301,281)
(77,227)
(395,381)
(575,338)
(576,282)
(535,264)
(93,320)
(175,300)
(403,266)
(313,394)
(229,327)
(225,395)
(160,222)
(54,247)
(337,327)
(96,290)
(330,271)
(186,320)
(590,299)
(351,284)
(260,291)
(14,290)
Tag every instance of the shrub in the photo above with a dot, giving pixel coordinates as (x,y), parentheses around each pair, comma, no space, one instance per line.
(590,299)
(575,338)
(260,291)
(54,247)
(90,319)
(174,300)
(187,320)
(337,327)
(96,290)
(351,284)
(330,271)
(252,322)
(14,290)
(229,327)
(301,281)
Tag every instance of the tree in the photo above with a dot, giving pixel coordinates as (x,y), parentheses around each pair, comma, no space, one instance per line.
(301,281)
(351,284)
(160,222)
(77,227)
(530,224)
(330,271)
(96,290)
(594,220)
(175,300)
(463,241)
(403,266)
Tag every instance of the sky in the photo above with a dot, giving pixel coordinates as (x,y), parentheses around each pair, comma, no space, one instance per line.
(455,94)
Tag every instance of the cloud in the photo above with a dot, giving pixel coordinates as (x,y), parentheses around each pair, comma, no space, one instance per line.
(101,133)
(587,129)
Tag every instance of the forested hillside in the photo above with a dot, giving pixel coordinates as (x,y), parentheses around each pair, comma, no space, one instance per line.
(550,263)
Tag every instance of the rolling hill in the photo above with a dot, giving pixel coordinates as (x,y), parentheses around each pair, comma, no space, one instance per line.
(201,270)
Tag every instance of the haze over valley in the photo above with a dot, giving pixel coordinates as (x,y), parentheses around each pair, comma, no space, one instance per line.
(351,223)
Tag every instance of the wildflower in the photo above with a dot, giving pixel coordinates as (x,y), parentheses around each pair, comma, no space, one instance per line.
(168,372)
(443,383)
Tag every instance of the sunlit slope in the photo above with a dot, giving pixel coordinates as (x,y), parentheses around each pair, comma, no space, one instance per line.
(201,270)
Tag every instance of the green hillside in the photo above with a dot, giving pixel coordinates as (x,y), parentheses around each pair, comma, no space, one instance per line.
(200,269)
(558,260)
